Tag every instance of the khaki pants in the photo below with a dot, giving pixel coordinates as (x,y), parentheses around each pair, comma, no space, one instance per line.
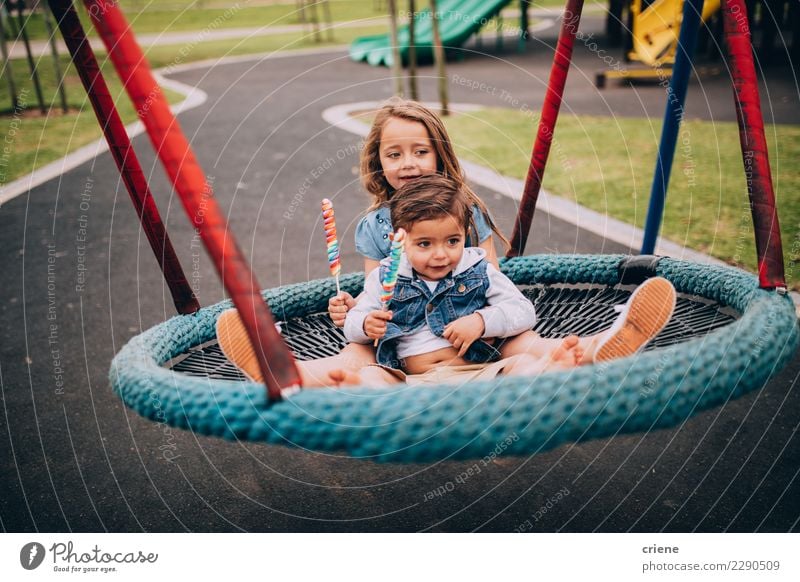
(454,374)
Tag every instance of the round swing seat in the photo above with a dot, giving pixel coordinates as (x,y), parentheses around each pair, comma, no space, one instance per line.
(727,337)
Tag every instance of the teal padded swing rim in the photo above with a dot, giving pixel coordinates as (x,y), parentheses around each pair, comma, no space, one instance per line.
(514,415)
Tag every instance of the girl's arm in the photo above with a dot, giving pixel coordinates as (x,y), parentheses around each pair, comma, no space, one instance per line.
(339,306)
(367,302)
(370,265)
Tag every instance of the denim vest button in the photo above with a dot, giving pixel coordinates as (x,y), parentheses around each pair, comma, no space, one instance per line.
(429,307)
(462,288)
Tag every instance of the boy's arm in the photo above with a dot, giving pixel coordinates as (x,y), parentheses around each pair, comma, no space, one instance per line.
(508,312)
(368,301)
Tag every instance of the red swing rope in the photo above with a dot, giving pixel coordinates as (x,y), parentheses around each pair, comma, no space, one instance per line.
(754,146)
(274,358)
(547,124)
(120,146)
(175,152)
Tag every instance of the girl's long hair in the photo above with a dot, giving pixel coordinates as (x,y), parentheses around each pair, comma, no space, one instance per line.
(447,164)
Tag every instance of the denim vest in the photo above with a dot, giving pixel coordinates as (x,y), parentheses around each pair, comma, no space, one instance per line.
(413,305)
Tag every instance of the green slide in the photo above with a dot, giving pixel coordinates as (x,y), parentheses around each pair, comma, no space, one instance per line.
(459,19)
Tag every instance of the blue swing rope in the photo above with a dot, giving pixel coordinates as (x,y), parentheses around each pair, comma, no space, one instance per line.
(676,98)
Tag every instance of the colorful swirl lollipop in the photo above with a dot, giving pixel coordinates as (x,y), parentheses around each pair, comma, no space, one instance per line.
(390,280)
(329,222)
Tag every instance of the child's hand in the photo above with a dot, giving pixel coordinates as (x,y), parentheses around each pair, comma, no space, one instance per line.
(339,306)
(464,331)
(375,324)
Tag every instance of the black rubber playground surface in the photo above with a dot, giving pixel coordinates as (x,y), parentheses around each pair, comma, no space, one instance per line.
(78,281)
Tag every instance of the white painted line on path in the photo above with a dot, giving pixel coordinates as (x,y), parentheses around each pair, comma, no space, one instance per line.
(194,98)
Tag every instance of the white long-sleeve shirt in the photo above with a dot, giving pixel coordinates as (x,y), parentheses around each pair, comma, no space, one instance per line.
(507,312)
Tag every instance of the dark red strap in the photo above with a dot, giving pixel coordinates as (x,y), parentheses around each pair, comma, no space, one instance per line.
(184,171)
(754,145)
(124,156)
(547,124)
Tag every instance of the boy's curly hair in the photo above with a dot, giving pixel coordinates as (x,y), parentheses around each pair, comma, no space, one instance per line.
(428,198)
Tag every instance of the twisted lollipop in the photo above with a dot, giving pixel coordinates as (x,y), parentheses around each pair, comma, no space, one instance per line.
(390,280)
(329,222)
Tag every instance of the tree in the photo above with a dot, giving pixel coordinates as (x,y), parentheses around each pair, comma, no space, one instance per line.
(412,52)
(439,58)
(396,59)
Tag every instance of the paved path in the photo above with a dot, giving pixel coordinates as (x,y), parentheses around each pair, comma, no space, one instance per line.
(74,458)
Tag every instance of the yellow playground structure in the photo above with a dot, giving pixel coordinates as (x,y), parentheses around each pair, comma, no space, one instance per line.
(655,28)
(652,37)
(649,31)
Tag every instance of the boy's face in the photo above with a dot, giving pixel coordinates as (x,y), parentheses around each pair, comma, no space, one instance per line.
(434,247)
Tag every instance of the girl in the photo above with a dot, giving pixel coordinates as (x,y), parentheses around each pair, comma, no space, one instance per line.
(407,140)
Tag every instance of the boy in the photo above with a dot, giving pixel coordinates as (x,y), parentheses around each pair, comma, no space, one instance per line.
(448,301)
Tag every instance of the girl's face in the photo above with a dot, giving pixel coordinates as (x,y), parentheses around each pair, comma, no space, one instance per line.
(406,151)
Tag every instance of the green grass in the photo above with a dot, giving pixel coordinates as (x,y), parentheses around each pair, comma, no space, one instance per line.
(193,15)
(148,17)
(606,164)
(155,18)
(32,140)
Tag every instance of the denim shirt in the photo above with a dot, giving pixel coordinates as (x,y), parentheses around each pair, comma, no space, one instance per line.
(372,232)
(474,286)
(414,305)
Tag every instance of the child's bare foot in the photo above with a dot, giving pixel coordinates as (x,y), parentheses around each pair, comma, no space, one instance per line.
(567,355)
(341,377)
(367,376)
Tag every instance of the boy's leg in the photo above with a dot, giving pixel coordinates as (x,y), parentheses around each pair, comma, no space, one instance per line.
(525,365)
(532,344)
(352,358)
